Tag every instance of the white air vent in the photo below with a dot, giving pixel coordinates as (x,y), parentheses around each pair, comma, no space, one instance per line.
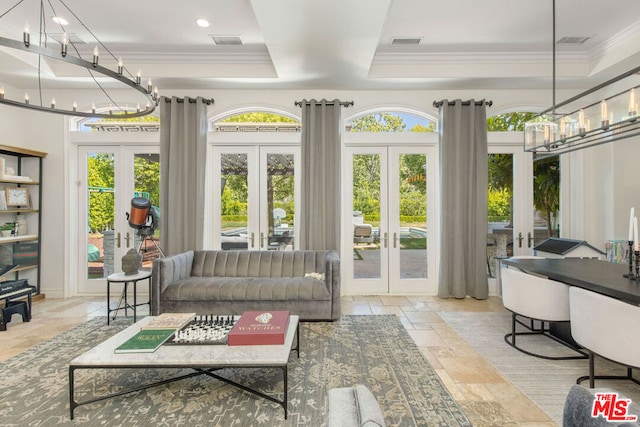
(573,40)
(71,37)
(405,41)
(227,40)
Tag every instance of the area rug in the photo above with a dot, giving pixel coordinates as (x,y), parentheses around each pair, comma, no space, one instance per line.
(545,382)
(372,350)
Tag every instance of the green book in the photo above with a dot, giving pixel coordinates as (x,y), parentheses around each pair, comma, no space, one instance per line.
(145,341)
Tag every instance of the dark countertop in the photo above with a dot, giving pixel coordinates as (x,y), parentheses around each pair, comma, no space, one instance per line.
(596,275)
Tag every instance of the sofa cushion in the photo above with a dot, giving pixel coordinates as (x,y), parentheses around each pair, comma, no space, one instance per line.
(247,289)
(257,263)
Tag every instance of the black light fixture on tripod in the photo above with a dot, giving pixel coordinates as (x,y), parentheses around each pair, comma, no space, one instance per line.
(145,219)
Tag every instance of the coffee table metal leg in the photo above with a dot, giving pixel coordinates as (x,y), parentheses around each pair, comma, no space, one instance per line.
(282,403)
(297,347)
(286,387)
(72,403)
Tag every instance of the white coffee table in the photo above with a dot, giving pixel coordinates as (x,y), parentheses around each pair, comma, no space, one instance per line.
(203,359)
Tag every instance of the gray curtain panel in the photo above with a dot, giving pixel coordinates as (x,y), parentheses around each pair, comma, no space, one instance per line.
(183,148)
(321,144)
(463,177)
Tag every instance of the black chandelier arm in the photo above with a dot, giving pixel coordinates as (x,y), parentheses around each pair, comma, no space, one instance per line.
(91,66)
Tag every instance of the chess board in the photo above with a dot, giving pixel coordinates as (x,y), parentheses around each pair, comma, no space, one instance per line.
(203,330)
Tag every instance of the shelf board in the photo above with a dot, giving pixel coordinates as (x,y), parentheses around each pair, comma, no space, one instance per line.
(19,210)
(15,181)
(25,238)
(13,151)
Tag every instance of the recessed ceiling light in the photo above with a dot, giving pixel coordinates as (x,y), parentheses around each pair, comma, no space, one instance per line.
(60,20)
(202,22)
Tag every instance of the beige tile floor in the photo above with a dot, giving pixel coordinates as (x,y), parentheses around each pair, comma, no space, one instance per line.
(485,396)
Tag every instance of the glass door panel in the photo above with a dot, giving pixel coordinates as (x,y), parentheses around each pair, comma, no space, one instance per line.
(546,198)
(234,225)
(411,239)
(366,193)
(409,257)
(100,202)
(500,209)
(146,176)
(279,190)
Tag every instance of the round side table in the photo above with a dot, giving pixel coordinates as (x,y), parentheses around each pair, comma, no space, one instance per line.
(123,304)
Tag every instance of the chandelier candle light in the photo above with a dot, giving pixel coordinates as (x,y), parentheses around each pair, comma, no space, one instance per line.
(567,126)
(39,47)
(634,247)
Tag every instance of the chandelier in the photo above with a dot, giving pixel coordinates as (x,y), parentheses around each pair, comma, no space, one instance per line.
(605,113)
(47,47)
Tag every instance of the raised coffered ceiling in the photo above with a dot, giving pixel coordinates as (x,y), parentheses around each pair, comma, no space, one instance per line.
(342,44)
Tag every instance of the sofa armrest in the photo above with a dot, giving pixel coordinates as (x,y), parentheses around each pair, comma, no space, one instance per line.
(332,280)
(166,271)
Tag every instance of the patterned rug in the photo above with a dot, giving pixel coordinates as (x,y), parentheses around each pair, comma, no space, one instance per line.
(372,350)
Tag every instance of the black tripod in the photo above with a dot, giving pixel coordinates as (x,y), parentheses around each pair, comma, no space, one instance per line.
(147,233)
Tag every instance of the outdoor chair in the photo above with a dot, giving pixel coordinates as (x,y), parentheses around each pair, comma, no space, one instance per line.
(362,233)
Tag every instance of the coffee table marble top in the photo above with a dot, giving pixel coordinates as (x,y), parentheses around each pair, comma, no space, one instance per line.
(187,355)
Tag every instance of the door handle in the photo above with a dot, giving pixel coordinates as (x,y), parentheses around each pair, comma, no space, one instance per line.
(252,239)
(262,239)
(118,239)
(127,238)
(520,238)
(395,240)
(385,239)
(531,239)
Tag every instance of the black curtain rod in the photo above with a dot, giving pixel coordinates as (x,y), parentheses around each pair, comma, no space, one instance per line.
(343,103)
(439,104)
(208,101)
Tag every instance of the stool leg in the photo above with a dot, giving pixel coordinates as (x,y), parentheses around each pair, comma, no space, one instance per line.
(135,302)
(108,301)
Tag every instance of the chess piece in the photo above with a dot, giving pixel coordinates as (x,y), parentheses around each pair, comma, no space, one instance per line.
(131,262)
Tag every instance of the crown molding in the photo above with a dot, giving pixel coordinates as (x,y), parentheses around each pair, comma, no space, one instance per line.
(388,58)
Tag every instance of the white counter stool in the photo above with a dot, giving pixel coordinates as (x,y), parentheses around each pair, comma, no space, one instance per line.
(123,303)
(538,299)
(607,327)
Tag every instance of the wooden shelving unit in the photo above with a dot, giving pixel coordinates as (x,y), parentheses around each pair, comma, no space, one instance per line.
(23,163)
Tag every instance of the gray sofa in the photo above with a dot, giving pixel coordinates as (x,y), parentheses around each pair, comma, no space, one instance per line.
(578,409)
(306,283)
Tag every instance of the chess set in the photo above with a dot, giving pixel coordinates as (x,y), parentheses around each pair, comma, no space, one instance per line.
(204,329)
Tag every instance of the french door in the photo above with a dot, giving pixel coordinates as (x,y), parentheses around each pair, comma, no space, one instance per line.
(389,220)
(513,231)
(109,177)
(255,194)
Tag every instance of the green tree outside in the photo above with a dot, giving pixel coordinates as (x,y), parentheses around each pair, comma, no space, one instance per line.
(546,183)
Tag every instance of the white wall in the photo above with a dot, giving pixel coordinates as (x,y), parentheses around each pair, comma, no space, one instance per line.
(44,132)
(609,187)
